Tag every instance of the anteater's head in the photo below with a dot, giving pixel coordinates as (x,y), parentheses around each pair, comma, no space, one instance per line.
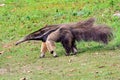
(39,34)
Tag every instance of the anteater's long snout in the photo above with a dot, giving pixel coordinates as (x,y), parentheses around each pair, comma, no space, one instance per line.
(21,40)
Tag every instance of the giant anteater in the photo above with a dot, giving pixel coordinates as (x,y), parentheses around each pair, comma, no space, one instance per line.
(67,34)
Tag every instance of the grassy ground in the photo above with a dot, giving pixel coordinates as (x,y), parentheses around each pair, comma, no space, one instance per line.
(93,62)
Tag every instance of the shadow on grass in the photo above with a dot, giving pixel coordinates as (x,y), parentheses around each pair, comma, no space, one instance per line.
(98,48)
(90,47)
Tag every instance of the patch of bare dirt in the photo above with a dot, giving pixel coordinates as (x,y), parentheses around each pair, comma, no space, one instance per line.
(3,71)
(8,46)
(39,67)
(26,69)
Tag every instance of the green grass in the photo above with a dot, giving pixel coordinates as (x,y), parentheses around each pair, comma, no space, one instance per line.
(93,62)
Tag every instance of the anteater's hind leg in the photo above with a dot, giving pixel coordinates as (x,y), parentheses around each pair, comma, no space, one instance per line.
(67,47)
(70,46)
(74,48)
(67,42)
(43,49)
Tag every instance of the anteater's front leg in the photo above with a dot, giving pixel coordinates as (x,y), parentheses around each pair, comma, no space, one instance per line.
(50,42)
(51,47)
(43,49)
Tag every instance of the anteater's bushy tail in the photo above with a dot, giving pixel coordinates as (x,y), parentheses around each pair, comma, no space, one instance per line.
(98,33)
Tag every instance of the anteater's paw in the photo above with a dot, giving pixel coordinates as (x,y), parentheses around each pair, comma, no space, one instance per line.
(42,56)
(67,54)
(55,56)
(74,54)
